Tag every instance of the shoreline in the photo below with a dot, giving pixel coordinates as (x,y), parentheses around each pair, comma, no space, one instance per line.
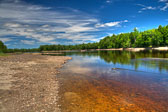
(112,49)
(135,49)
(28,82)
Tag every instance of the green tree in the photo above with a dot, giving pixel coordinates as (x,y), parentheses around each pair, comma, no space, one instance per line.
(3,48)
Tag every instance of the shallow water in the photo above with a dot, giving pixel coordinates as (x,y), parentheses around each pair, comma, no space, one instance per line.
(115,81)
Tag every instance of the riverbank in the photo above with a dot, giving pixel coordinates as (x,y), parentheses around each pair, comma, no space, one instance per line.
(112,49)
(28,83)
(2,54)
(136,49)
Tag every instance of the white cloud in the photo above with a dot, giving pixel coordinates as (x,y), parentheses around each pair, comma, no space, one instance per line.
(5,39)
(111,24)
(15,1)
(125,21)
(165,7)
(162,8)
(145,8)
(43,24)
(108,1)
(12,25)
(46,25)
(163,0)
(29,42)
(149,8)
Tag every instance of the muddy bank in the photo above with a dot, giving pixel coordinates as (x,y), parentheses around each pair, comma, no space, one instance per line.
(28,83)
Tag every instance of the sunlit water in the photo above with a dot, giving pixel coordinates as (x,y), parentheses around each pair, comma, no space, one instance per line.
(115,81)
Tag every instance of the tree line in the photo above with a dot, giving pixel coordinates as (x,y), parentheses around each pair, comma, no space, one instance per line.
(22,50)
(3,47)
(149,38)
(69,47)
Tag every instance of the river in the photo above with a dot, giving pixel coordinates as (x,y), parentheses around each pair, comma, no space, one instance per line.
(114,81)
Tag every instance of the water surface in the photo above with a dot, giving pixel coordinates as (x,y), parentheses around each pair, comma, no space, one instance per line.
(115,81)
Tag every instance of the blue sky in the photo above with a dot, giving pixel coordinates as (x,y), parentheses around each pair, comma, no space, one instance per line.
(31,23)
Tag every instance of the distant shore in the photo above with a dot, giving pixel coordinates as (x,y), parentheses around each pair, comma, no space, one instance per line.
(112,49)
(136,49)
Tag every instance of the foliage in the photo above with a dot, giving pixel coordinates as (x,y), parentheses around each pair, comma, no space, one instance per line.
(21,50)
(3,48)
(149,38)
(69,47)
(4,54)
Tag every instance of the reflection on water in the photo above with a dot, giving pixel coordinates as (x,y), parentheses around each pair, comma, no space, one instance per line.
(150,61)
(115,81)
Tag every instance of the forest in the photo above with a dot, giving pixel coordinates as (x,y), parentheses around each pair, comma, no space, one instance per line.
(149,38)
(3,47)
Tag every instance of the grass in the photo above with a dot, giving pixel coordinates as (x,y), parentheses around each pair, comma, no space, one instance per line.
(3,54)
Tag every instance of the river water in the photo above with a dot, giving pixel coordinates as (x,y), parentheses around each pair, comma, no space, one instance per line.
(114,81)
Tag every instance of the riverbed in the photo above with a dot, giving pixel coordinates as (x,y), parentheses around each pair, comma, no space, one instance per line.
(114,81)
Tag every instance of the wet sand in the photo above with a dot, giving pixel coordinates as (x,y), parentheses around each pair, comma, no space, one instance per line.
(28,83)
